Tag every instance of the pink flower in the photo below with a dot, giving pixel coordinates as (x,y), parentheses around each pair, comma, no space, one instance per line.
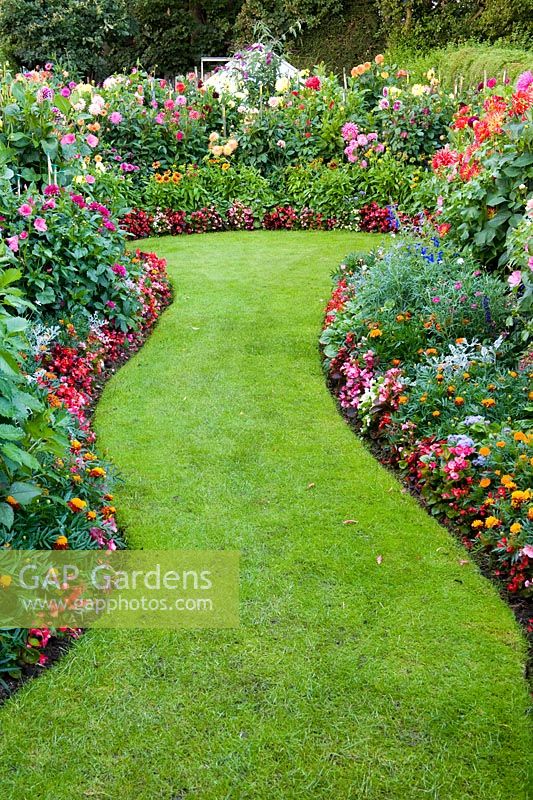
(119,269)
(530,263)
(89,179)
(25,210)
(13,243)
(436,299)
(491,83)
(23,235)
(524,81)
(51,189)
(65,92)
(181,100)
(160,118)
(115,118)
(169,103)
(193,114)
(515,279)
(91,140)
(40,225)
(49,204)
(68,138)
(527,550)
(179,135)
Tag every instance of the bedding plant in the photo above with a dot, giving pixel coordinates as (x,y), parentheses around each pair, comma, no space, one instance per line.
(425,352)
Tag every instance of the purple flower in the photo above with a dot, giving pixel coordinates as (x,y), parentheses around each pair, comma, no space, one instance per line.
(65,92)
(115,118)
(524,81)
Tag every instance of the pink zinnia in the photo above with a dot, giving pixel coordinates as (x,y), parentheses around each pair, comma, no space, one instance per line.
(179,136)
(25,210)
(92,140)
(193,114)
(40,225)
(68,138)
(115,118)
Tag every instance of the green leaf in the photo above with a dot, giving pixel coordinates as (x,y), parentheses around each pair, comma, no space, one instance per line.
(11,433)
(24,493)
(7,516)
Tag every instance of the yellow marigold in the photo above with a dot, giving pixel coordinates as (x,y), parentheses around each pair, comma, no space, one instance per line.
(530,513)
(91,515)
(484,451)
(225,166)
(375,333)
(12,502)
(484,483)
(77,503)
(97,472)
(500,444)
(513,374)
(466,376)
(435,414)
(75,445)
(89,457)
(488,402)
(492,522)
(459,401)
(77,478)
(400,317)
(519,436)
(423,398)
(477,523)
(507,479)
(451,389)
(518,497)
(515,527)
(403,399)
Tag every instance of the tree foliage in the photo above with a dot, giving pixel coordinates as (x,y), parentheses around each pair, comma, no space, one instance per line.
(78,32)
(172,35)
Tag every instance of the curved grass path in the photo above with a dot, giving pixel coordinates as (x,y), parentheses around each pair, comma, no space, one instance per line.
(347,679)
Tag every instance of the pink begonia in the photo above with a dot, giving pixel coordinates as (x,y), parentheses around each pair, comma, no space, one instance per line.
(40,225)
(115,118)
(92,140)
(13,243)
(68,138)
(515,278)
(527,550)
(25,210)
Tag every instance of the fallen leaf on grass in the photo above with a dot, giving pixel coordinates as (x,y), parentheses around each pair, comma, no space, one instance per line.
(310,485)
(350,522)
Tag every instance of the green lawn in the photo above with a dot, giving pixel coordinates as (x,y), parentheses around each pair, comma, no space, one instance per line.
(348,678)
